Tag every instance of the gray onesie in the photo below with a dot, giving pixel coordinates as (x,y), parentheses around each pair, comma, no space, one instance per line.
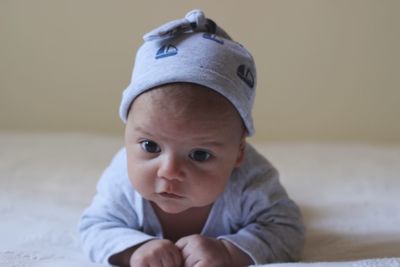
(254,213)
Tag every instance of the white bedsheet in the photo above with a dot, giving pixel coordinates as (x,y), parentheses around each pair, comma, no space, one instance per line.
(349,195)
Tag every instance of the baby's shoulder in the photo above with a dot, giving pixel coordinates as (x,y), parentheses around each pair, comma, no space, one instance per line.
(254,164)
(116,173)
(255,174)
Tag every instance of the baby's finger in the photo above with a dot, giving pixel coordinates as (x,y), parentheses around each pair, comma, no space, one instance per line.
(167,261)
(185,251)
(176,256)
(181,243)
(153,262)
(171,259)
(191,261)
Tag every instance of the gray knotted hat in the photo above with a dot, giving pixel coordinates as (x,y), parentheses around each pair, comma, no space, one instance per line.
(194,50)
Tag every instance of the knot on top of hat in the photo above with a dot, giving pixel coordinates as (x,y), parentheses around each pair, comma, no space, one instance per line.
(194,21)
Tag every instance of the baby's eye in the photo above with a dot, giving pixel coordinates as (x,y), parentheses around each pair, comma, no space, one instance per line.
(150,146)
(199,155)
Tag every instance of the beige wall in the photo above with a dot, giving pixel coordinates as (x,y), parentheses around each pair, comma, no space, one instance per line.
(328,70)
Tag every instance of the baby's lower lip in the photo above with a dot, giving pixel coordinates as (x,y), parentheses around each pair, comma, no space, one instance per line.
(170,195)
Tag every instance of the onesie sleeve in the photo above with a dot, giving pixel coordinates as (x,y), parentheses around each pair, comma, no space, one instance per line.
(113,221)
(265,222)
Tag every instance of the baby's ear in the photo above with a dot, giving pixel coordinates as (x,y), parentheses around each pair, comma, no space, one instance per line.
(242,147)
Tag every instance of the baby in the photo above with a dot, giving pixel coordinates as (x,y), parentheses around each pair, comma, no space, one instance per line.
(187,190)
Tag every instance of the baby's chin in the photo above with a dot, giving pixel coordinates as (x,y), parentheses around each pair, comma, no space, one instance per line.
(172,209)
(177,208)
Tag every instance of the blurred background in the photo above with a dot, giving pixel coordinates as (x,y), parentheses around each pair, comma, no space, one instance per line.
(327,70)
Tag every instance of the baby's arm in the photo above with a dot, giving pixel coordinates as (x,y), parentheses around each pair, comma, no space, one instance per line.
(238,257)
(111,224)
(266,223)
(272,228)
(108,228)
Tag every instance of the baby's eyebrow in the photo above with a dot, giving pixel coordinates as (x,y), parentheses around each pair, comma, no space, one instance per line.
(202,142)
(137,128)
(212,143)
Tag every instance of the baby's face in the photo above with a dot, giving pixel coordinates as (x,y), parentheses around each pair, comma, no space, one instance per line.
(182,145)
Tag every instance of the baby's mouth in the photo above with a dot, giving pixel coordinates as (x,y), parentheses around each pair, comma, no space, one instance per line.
(166,190)
(170,195)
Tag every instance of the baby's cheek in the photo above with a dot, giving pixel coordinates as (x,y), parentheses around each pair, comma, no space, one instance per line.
(211,188)
(142,178)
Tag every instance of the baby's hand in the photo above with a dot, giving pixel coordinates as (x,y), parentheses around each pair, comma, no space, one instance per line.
(156,252)
(201,251)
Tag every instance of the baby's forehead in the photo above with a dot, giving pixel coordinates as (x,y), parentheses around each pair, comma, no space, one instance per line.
(185,106)
(187,95)
(185,99)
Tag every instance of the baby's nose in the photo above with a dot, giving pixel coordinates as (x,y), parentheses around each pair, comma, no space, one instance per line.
(171,168)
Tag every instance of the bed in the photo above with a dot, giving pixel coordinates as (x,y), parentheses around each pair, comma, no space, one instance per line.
(349,194)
